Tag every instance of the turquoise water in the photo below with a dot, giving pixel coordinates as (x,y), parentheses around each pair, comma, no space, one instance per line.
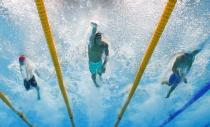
(127,26)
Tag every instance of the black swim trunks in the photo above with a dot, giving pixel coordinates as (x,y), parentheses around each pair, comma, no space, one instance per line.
(31,83)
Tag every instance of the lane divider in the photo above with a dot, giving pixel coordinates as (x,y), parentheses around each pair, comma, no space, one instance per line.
(51,45)
(199,94)
(9,104)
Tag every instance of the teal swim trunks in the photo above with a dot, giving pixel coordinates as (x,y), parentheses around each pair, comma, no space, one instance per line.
(95,67)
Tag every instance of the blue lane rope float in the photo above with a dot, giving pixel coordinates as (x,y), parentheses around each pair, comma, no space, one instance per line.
(199,94)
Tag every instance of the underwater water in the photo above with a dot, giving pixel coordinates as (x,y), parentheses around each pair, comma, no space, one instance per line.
(127,26)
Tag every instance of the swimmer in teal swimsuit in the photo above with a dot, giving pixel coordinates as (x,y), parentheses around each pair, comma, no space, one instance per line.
(96,49)
(181,68)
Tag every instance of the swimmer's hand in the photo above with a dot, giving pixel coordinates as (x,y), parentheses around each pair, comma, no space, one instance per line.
(103,69)
(185,80)
(93,24)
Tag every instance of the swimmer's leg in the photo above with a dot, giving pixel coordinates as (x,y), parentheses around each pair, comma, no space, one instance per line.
(38,93)
(94,80)
(171,90)
(34,84)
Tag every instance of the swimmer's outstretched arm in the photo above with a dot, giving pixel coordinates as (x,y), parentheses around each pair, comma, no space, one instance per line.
(93,32)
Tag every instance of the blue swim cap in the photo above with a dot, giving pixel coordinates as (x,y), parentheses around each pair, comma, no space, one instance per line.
(174,79)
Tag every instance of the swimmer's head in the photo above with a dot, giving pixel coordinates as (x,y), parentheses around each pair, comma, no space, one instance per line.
(22,59)
(98,37)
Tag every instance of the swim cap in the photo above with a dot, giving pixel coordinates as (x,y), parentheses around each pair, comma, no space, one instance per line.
(98,34)
(22,58)
(174,79)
